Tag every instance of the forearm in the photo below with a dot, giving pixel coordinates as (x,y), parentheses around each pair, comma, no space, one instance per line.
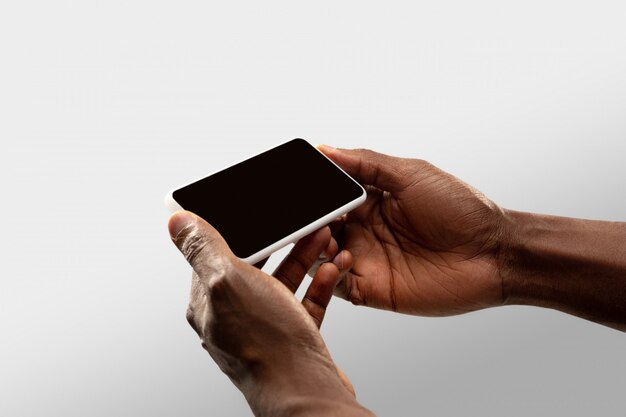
(572,265)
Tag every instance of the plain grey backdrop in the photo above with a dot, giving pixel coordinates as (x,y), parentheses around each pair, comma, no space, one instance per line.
(104,106)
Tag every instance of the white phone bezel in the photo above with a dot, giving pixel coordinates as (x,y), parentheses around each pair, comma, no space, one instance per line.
(173,206)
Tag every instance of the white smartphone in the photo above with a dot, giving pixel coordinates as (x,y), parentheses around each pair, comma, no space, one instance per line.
(272,199)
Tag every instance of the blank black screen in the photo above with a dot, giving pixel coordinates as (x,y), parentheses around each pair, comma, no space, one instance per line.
(265,198)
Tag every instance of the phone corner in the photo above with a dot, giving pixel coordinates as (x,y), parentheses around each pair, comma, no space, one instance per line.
(170,203)
(361,199)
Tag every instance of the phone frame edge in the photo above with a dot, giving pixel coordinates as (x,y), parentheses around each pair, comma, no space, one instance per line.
(173,206)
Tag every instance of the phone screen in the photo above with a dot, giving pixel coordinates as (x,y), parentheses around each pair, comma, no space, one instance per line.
(261,200)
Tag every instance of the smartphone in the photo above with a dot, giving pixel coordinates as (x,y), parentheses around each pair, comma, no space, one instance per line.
(272,199)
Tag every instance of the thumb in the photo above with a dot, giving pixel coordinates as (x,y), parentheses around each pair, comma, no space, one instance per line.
(370,168)
(198,241)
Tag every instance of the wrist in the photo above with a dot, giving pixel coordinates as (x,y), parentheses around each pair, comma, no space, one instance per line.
(572,265)
(533,257)
(511,258)
(300,384)
(310,405)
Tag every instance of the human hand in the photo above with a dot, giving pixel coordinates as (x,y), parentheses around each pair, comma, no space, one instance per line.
(254,328)
(423,242)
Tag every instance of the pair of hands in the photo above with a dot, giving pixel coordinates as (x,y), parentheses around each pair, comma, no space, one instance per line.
(423,243)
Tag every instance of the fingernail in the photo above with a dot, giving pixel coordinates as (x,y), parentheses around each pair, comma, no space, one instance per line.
(178,222)
(323,147)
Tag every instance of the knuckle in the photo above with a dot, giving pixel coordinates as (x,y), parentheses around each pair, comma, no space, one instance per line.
(191,319)
(216,285)
(189,315)
(416,170)
(418,162)
(221,277)
(355,299)
(315,309)
(368,155)
(192,246)
(353,294)
(413,166)
(328,275)
(424,165)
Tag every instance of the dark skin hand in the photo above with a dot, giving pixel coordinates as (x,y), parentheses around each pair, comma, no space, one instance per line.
(265,340)
(426,243)
(423,243)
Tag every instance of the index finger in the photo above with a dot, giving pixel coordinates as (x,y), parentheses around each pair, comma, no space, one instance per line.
(369,168)
(305,252)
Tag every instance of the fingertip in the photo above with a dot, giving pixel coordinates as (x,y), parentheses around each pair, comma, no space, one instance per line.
(325,279)
(326,149)
(323,235)
(303,258)
(332,248)
(343,260)
(320,292)
(328,269)
(191,234)
(178,221)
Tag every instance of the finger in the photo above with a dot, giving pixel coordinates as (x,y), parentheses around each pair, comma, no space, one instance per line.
(316,265)
(371,168)
(331,249)
(320,291)
(327,255)
(293,268)
(337,228)
(343,261)
(202,245)
(353,288)
(342,290)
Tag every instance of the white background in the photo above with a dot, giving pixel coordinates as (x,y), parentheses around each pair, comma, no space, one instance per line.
(105,105)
